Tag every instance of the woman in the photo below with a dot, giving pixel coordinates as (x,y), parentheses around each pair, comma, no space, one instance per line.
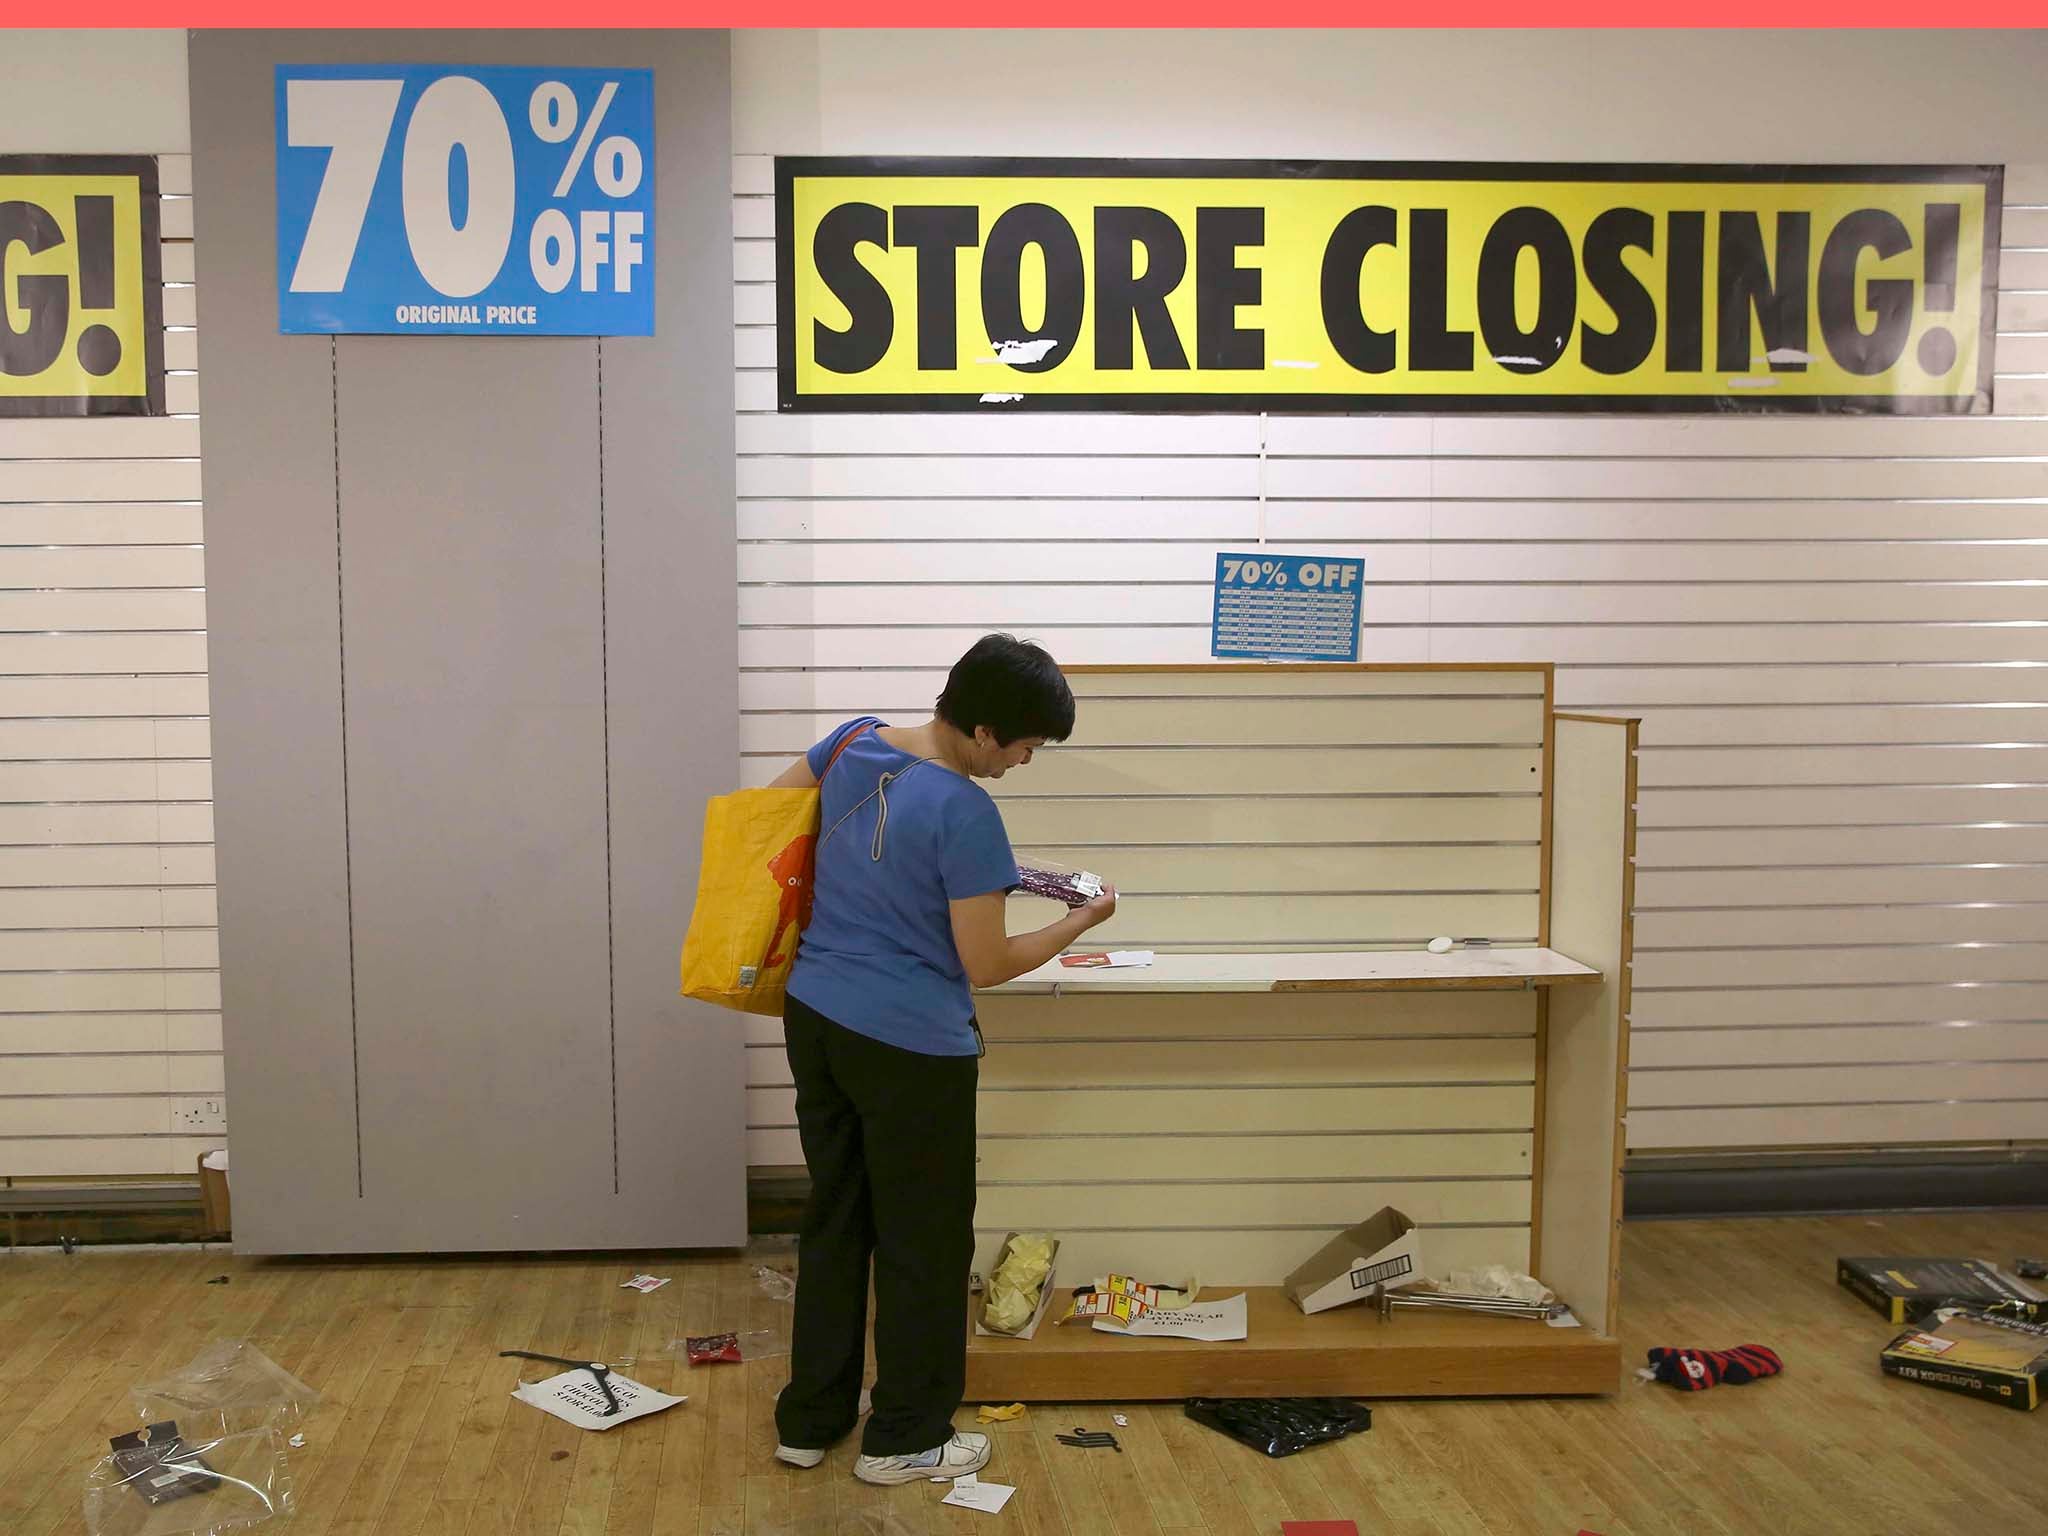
(913,870)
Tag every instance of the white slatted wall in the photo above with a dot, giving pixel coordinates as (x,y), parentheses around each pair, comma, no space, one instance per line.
(1836,631)
(1233,1133)
(109,962)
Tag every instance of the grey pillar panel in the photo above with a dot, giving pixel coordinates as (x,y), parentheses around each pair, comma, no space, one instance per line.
(523,593)
(274,682)
(674,664)
(476,787)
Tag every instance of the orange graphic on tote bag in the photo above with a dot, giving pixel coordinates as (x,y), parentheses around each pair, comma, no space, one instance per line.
(793,869)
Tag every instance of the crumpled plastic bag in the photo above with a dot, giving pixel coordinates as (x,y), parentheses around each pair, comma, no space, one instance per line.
(1013,1290)
(1497,1280)
(229,1388)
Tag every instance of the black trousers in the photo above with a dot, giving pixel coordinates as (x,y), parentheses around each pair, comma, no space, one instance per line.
(889,1137)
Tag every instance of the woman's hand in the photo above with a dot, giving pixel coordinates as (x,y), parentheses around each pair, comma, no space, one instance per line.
(1098,911)
(991,957)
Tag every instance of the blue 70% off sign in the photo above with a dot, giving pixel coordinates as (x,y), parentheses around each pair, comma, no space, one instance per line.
(435,198)
(1286,606)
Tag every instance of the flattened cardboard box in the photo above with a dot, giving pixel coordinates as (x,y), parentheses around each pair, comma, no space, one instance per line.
(1909,1290)
(1995,1358)
(1382,1252)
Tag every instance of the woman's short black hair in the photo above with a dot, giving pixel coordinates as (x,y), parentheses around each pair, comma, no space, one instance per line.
(1011,686)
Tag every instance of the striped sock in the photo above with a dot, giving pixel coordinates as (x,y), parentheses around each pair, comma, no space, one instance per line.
(1695,1370)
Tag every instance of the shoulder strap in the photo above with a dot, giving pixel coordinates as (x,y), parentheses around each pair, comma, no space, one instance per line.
(844,742)
(879,793)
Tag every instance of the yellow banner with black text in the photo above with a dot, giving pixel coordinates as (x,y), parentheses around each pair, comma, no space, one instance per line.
(1007,285)
(81,286)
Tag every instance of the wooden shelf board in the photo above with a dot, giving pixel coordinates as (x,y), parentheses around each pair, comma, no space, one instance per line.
(1371,970)
(1346,1352)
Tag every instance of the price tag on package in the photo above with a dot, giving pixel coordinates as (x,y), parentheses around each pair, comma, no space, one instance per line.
(483,201)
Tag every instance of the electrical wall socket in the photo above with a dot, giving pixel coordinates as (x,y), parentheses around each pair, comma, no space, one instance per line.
(199,1114)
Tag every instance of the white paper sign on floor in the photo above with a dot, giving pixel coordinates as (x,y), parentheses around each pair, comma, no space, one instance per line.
(574,1396)
(1213,1322)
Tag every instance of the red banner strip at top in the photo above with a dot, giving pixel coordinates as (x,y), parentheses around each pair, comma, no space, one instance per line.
(1085,14)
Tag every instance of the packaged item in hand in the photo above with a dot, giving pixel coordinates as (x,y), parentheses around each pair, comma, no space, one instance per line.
(1073,888)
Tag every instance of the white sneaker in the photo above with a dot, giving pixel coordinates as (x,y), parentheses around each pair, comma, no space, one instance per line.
(962,1454)
(800,1456)
(796,1455)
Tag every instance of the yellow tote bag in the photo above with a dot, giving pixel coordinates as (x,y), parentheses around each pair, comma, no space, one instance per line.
(753,895)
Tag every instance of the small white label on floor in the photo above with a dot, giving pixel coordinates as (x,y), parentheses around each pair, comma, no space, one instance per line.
(987,1497)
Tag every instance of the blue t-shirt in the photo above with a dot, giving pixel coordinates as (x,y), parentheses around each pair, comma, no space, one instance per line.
(879,956)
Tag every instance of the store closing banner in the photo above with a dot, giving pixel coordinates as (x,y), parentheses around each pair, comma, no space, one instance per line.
(81,286)
(1174,285)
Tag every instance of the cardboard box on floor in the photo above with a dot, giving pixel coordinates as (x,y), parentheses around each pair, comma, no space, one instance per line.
(1383,1251)
(1906,1290)
(1995,1358)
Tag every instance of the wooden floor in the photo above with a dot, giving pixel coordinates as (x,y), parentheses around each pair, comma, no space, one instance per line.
(418,1432)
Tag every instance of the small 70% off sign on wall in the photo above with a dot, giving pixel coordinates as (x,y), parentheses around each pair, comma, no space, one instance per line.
(1286,607)
(433,198)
